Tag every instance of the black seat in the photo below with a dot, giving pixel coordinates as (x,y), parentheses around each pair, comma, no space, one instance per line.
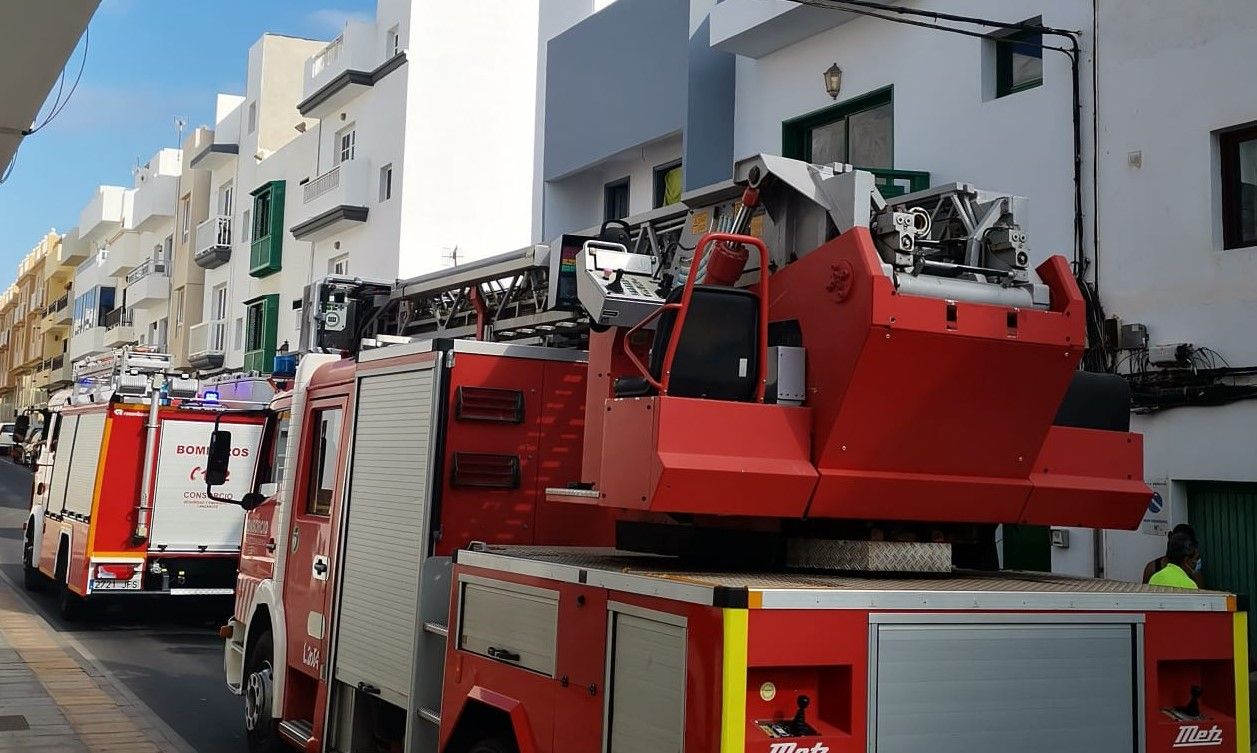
(717,355)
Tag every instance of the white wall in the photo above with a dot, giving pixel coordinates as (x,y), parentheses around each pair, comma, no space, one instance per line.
(575,203)
(470,120)
(944,120)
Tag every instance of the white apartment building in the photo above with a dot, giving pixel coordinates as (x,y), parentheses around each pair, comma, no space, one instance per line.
(122,290)
(1169,178)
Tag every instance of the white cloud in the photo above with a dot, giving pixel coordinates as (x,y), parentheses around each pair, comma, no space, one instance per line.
(333,20)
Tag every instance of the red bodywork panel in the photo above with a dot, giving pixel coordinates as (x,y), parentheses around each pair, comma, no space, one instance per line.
(918,409)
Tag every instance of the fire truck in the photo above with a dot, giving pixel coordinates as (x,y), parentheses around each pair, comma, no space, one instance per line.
(119,507)
(723,477)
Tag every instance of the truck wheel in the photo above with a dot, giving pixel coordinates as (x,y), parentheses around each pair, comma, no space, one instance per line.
(32,579)
(494,745)
(261,728)
(70,605)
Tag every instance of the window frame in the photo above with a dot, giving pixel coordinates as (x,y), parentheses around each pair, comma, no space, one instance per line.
(318,465)
(335,262)
(607,189)
(386,182)
(1229,173)
(338,153)
(1004,51)
(796,133)
(660,176)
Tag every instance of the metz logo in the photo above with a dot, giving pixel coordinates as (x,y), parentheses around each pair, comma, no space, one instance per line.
(1191,736)
(796,748)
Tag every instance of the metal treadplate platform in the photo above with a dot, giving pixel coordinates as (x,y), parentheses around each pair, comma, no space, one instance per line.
(869,556)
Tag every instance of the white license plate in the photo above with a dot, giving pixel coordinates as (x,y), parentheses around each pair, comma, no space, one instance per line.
(115,585)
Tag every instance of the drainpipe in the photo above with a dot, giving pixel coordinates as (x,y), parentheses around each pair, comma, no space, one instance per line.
(482,312)
(143,511)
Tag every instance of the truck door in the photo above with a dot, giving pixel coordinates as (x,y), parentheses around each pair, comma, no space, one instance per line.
(309,543)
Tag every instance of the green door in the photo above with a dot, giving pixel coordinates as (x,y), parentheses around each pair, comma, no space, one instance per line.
(1225,518)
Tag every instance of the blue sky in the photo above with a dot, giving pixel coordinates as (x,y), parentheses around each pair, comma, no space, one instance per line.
(148,62)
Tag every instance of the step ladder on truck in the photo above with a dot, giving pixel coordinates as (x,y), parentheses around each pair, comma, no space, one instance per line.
(119,508)
(724,477)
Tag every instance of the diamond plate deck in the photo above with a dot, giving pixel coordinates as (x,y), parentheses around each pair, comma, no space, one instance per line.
(869,556)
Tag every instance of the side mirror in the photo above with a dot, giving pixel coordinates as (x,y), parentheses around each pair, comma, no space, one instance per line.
(219,458)
(251,500)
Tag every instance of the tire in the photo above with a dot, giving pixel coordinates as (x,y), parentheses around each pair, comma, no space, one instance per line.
(495,744)
(32,579)
(261,729)
(70,605)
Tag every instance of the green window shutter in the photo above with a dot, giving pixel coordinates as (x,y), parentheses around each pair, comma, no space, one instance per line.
(259,353)
(266,250)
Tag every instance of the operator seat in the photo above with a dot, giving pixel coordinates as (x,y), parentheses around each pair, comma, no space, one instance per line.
(717,350)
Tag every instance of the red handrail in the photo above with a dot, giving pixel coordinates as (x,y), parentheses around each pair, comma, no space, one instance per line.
(761,292)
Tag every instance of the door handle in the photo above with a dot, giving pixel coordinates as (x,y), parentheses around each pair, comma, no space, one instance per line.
(319,567)
(270,545)
(504,654)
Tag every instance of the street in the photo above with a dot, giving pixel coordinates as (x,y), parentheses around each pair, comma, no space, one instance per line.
(170,659)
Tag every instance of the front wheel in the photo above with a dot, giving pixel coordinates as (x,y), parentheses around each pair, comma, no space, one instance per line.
(32,579)
(261,728)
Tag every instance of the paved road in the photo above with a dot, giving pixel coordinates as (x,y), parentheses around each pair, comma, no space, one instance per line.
(170,659)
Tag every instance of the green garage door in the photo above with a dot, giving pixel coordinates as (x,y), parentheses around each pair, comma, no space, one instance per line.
(1225,517)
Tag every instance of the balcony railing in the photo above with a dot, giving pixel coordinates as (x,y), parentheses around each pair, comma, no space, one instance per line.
(146,268)
(213,242)
(59,304)
(328,181)
(56,361)
(119,317)
(207,343)
(328,56)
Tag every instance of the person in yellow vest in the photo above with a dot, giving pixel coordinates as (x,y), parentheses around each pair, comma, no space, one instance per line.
(1180,556)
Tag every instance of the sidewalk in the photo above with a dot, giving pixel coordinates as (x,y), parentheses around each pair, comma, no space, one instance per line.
(53,701)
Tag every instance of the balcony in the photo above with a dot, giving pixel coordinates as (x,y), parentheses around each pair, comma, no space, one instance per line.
(148,283)
(209,152)
(333,202)
(72,250)
(87,342)
(58,313)
(213,242)
(207,344)
(342,70)
(756,28)
(119,328)
(58,374)
(154,201)
(121,256)
(103,213)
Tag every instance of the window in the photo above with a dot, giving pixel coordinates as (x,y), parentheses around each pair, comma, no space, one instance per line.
(226,199)
(246,226)
(346,142)
(615,200)
(219,310)
(260,325)
(1239,187)
(266,248)
(279,446)
(339,265)
(253,116)
(386,182)
(859,132)
(185,216)
(239,334)
(668,184)
(323,457)
(179,298)
(392,43)
(1018,61)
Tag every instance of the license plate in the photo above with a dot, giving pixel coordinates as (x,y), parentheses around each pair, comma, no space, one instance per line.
(115,585)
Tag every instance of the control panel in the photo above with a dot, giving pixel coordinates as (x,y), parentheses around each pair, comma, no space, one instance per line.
(617,287)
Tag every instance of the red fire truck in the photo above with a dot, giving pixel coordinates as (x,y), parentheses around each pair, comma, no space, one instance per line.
(119,506)
(725,477)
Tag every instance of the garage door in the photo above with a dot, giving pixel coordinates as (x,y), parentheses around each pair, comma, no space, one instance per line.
(1025,687)
(1225,518)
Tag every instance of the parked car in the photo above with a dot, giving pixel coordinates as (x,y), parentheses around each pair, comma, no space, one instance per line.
(6,439)
(27,449)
